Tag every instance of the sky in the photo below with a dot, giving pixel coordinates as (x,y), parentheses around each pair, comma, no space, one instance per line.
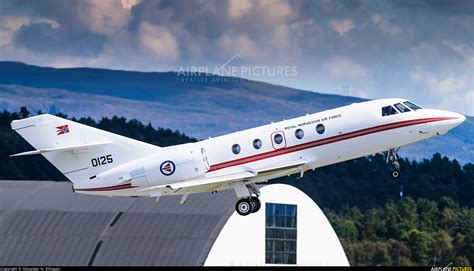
(417,49)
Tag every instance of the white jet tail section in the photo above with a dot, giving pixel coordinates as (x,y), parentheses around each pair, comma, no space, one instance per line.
(79,151)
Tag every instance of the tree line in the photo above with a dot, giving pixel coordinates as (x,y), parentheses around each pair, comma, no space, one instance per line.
(366,182)
(424,218)
(407,232)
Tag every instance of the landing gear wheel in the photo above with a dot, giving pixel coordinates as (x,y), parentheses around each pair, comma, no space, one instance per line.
(392,158)
(255,203)
(243,207)
(395,174)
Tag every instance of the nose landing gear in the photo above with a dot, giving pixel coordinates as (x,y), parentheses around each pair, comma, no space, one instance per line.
(395,174)
(392,157)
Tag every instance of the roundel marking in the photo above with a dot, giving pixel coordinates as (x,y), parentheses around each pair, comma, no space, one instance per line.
(167,168)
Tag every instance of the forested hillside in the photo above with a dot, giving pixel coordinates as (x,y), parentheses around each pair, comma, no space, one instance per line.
(432,220)
(407,232)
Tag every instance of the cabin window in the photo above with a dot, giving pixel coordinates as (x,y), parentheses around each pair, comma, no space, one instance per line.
(236,148)
(388,110)
(299,133)
(320,129)
(412,106)
(402,108)
(278,139)
(257,143)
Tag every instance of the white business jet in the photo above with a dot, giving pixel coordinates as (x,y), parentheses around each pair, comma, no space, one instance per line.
(102,163)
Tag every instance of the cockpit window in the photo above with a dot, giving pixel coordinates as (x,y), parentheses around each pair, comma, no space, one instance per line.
(388,110)
(412,106)
(402,108)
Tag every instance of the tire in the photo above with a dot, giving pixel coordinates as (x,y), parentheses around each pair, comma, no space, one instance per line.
(243,207)
(395,174)
(256,204)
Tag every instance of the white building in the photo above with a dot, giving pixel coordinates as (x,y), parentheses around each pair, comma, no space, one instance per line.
(289,229)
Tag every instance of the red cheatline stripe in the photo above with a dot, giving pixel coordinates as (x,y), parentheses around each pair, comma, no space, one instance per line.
(324,141)
(108,188)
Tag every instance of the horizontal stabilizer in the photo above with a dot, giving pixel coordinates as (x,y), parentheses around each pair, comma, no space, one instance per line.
(68,148)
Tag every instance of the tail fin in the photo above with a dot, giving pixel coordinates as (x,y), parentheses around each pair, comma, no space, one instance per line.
(79,151)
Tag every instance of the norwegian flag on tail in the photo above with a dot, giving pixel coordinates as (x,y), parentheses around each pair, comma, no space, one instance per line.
(63,129)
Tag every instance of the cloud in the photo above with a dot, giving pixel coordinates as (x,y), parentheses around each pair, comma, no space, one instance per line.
(418,49)
(239,44)
(384,25)
(159,41)
(239,8)
(45,38)
(129,4)
(9,25)
(106,16)
(441,84)
(466,51)
(277,10)
(376,18)
(342,26)
(341,68)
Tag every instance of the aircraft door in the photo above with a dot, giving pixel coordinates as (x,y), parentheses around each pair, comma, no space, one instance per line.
(204,159)
(278,140)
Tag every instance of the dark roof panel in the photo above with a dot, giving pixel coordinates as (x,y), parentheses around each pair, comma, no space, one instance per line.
(45,223)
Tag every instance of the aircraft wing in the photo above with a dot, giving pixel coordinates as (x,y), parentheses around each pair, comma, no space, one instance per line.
(282,166)
(210,184)
(206,184)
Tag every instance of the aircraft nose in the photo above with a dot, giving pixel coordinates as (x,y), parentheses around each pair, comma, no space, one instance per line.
(457,118)
(451,120)
(462,118)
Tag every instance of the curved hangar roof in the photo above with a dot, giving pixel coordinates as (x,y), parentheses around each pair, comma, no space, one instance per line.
(45,223)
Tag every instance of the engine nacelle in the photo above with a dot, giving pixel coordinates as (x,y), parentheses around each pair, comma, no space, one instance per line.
(165,167)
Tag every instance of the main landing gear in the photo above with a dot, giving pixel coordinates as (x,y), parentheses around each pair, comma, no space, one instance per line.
(250,203)
(392,157)
(247,206)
